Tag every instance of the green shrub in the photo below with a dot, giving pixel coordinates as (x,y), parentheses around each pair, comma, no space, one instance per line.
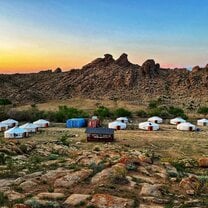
(153,104)
(122,112)
(2,159)
(3,199)
(203,110)
(142,114)
(4,101)
(103,112)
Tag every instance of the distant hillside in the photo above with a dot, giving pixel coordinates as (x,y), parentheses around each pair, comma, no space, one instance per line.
(110,79)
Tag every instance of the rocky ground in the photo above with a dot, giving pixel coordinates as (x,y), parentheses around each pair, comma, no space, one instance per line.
(65,172)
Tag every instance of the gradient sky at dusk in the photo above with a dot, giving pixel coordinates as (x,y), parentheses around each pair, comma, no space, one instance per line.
(43,34)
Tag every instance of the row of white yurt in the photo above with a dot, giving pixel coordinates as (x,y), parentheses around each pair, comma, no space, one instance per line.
(123,119)
(202,122)
(30,127)
(10,123)
(15,133)
(149,126)
(118,125)
(41,123)
(155,119)
(186,126)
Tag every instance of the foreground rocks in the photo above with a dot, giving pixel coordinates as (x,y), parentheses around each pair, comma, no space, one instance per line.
(107,176)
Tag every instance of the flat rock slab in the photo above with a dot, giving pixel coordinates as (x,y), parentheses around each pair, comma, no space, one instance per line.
(72,178)
(53,196)
(150,190)
(109,201)
(76,199)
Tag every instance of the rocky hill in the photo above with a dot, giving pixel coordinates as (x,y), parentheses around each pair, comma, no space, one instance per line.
(111,79)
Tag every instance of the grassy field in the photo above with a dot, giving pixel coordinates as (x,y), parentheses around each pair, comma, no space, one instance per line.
(168,142)
(87,104)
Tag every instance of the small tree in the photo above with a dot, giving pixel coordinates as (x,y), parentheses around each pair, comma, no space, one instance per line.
(103,112)
(203,110)
(121,112)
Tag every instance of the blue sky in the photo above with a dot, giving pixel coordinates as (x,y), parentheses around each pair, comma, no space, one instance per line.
(37,34)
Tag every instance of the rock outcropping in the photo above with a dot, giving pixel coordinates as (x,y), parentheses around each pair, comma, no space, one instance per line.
(107,78)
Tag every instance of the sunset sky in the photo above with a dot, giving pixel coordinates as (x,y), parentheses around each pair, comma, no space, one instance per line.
(45,34)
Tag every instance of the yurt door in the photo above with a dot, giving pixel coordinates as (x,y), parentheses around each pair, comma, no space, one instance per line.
(156,121)
(204,124)
(190,128)
(150,128)
(46,125)
(178,122)
(118,128)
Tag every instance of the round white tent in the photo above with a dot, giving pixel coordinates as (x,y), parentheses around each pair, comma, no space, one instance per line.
(155,119)
(30,127)
(10,122)
(15,133)
(177,120)
(117,125)
(41,123)
(186,127)
(149,126)
(123,119)
(202,122)
(3,127)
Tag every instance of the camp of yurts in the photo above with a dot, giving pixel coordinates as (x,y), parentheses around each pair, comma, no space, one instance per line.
(15,133)
(202,122)
(155,119)
(149,126)
(10,123)
(186,127)
(30,127)
(118,125)
(3,127)
(177,120)
(41,123)
(123,119)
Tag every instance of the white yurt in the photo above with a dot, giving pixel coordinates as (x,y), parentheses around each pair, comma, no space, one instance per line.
(155,119)
(202,122)
(186,127)
(149,126)
(117,125)
(41,123)
(30,127)
(10,122)
(15,133)
(123,119)
(177,120)
(3,127)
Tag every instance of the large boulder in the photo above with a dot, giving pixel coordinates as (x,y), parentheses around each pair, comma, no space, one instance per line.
(190,185)
(123,60)
(72,178)
(203,162)
(150,68)
(109,201)
(75,199)
(51,196)
(151,190)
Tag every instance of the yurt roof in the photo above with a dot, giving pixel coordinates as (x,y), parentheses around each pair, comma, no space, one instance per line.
(178,119)
(9,121)
(186,124)
(155,117)
(16,130)
(117,123)
(122,118)
(147,123)
(28,125)
(41,121)
(203,120)
(3,124)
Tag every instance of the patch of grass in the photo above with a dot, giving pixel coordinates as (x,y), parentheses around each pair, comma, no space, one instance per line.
(3,199)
